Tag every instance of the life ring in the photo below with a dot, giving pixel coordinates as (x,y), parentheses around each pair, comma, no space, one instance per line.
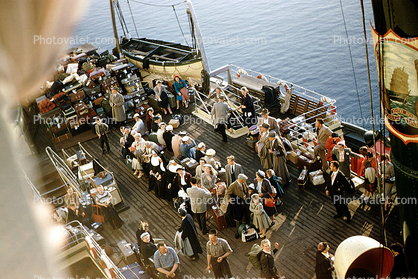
(287,88)
(331,102)
(241,72)
(260,76)
(333,109)
(91,247)
(107,266)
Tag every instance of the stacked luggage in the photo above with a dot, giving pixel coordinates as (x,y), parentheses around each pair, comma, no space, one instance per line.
(81,88)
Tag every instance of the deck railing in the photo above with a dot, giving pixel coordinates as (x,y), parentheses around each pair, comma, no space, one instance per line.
(307,104)
(77,234)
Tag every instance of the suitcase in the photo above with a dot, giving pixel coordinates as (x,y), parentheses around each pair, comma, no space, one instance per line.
(72,87)
(77,96)
(219,217)
(248,235)
(109,83)
(251,143)
(90,84)
(305,162)
(153,137)
(56,87)
(172,100)
(128,162)
(133,271)
(303,179)
(98,101)
(46,105)
(77,57)
(93,92)
(81,109)
(94,75)
(60,127)
(63,137)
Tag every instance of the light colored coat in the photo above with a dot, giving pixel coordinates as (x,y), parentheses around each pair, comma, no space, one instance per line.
(175,143)
(139,127)
(323,134)
(234,189)
(118,111)
(260,218)
(263,151)
(160,137)
(198,198)
(219,113)
(272,122)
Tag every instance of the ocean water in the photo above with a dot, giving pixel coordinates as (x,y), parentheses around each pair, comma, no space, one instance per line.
(300,41)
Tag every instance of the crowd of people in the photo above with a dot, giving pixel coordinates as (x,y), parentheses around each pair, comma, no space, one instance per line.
(254,203)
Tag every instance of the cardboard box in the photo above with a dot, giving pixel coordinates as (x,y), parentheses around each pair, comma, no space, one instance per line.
(174,122)
(292,156)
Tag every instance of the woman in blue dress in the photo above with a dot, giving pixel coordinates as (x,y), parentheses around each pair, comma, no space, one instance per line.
(182,93)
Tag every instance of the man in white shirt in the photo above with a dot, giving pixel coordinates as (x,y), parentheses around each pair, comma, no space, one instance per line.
(139,126)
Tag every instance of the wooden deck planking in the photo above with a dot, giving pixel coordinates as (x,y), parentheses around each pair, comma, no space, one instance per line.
(297,237)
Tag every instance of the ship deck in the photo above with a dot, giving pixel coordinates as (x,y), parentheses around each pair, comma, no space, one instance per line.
(303,221)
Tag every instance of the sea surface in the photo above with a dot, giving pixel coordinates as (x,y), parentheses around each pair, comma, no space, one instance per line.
(300,41)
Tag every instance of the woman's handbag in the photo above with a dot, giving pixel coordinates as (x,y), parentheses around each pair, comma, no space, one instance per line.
(269,202)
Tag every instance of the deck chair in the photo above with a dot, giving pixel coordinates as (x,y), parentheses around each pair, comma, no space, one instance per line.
(97,214)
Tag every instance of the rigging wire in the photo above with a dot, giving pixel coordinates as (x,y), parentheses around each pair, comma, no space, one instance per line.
(119,17)
(122,17)
(136,30)
(181,29)
(352,64)
(158,5)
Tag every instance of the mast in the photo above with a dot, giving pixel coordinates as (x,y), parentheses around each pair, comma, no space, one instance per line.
(400,16)
(115,30)
(199,37)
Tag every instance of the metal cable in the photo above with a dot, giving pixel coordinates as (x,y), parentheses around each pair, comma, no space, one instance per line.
(352,64)
(132,15)
(119,17)
(122,17)
(157,5)
(180,26)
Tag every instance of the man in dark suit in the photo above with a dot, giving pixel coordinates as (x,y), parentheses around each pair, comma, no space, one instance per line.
(235,198)
(126,141)
(336,189)
(232,170)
